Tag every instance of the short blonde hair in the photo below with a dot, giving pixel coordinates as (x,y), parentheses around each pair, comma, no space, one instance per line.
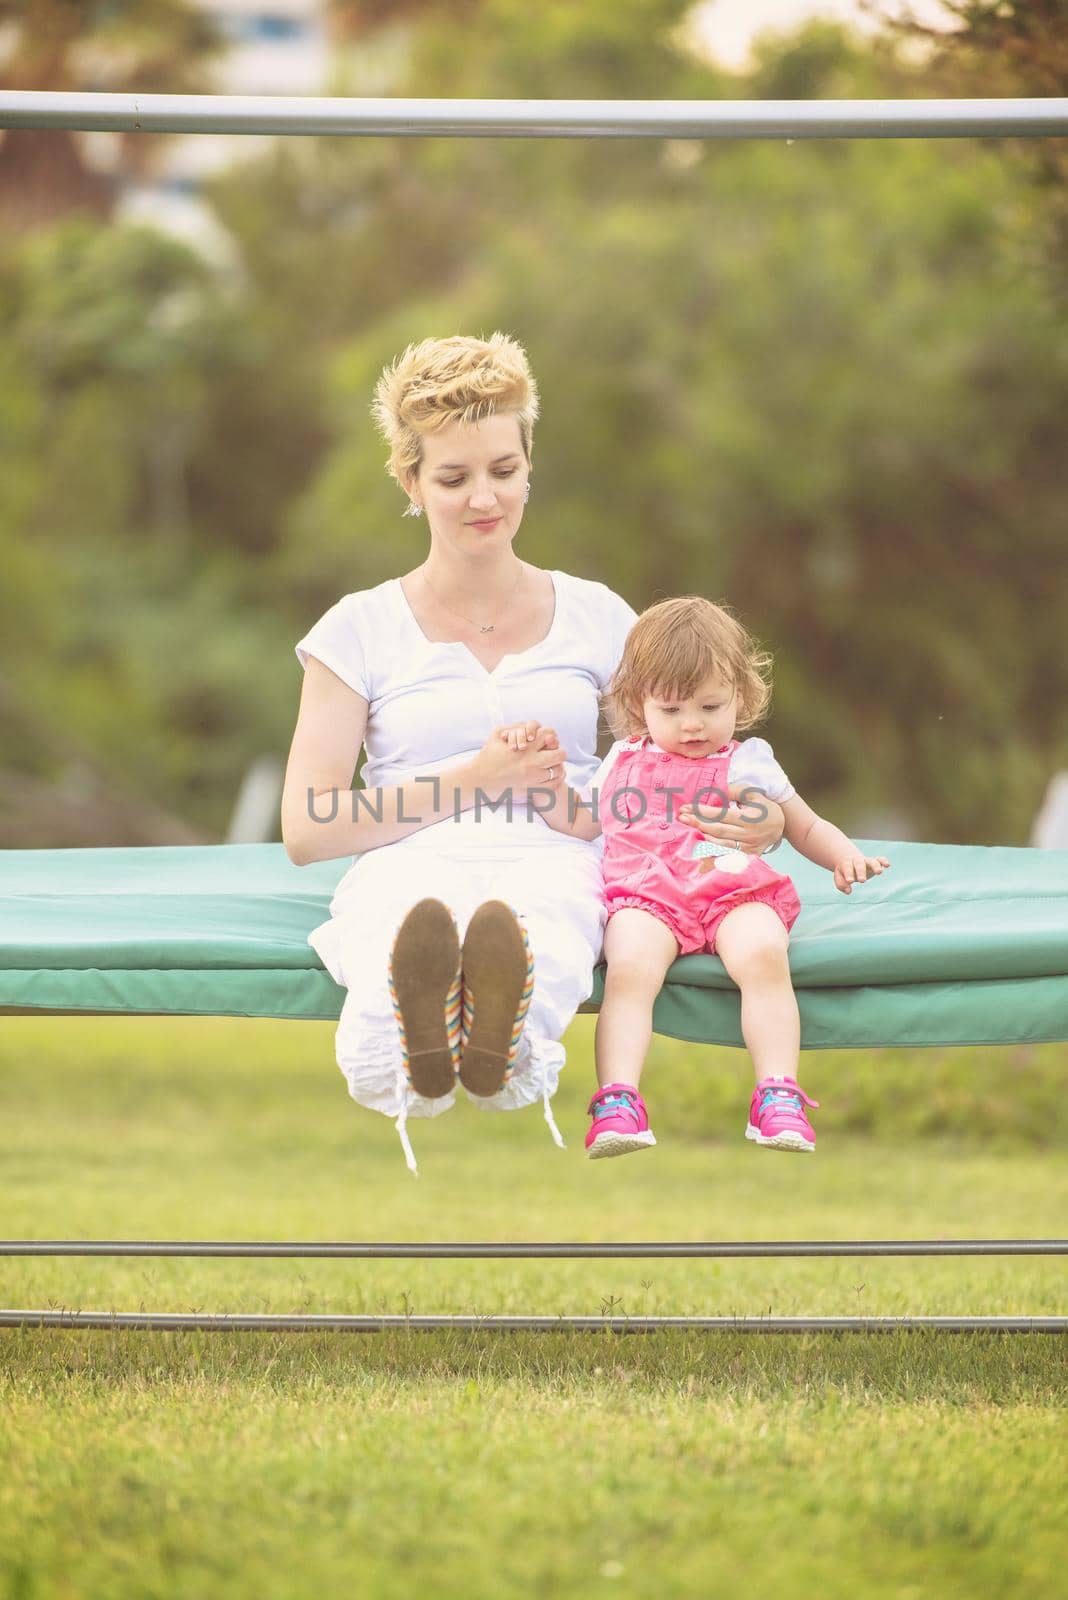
(458,379)
(678,644)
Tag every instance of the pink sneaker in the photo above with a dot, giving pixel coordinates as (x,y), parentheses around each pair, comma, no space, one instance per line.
(777,1115)
(620,1122)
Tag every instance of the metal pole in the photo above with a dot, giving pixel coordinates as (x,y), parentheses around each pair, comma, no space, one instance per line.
(537,119)
(498,1250)
(176,1320)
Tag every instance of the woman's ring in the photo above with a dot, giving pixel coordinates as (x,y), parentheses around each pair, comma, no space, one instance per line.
(552,774)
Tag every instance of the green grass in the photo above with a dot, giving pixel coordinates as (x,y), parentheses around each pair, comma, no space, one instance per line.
(471,1464)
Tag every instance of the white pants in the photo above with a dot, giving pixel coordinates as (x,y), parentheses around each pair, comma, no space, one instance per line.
(557,892)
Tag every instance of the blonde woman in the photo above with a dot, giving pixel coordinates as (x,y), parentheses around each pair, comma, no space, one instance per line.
(467,929)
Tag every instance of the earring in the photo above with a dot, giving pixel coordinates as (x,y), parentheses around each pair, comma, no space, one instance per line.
(526,494)
(413,510)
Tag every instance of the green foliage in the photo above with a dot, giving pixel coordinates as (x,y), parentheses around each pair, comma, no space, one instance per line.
(821,381)
(121,332)
(1014,47)
(799,405)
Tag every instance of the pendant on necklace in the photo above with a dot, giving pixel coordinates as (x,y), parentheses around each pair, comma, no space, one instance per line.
(486,627)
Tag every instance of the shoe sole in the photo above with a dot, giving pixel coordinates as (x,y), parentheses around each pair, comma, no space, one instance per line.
(424,965)
(780,1141)
(619,1144)
(494,960)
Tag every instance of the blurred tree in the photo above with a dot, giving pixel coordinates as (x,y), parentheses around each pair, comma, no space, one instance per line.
(335,235)
(123,332)
(819,381)
(109,47)
(112,690)
(775,376)
(1000,48)
(1015,47)
(356,18)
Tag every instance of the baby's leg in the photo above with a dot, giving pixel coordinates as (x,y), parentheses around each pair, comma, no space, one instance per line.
(752,942)
(638,950)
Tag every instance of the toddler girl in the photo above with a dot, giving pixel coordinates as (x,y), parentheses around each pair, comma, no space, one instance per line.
(689,678)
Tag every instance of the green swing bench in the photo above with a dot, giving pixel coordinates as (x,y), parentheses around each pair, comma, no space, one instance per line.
(955,944)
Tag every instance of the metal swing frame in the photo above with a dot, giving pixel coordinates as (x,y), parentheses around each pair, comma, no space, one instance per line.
(569,119)
(606,1323)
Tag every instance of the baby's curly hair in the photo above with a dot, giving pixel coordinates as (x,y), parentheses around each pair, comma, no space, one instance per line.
(676,645)
(457,379)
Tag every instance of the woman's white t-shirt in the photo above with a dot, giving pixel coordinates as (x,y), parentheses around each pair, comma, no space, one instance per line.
(432,704)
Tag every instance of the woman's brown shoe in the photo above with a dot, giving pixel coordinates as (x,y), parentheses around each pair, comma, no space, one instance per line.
(424,982)
(498,972)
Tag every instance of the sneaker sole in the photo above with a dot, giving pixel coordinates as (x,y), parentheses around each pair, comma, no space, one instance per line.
(424,965)
(495,966)
(780,1141)
(619,1144)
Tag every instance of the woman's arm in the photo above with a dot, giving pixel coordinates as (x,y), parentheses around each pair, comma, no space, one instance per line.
(324,818)
(754,826)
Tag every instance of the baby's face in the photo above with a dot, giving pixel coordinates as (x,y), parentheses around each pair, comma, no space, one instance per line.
(696,726)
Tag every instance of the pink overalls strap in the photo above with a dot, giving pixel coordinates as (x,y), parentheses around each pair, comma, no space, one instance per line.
(646,788)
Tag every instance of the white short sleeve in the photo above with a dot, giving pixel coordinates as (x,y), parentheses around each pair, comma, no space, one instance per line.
(619,618)
(754,762)
(585,794)
(336,641)
(623,619)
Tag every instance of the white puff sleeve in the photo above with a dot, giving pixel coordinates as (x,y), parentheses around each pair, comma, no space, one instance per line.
(585,794)
(754,762)
(619,618)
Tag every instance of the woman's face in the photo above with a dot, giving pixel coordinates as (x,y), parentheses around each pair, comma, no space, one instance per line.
(472,481)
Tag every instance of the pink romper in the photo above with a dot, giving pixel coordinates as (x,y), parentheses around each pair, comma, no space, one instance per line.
(648,852)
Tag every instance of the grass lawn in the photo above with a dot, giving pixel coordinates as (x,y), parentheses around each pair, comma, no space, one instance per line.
(471,1464)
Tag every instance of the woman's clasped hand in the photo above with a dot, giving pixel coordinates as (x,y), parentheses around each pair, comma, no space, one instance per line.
(753,822)
(518,757)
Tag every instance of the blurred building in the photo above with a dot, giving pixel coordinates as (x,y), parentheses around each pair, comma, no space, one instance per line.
(274,47)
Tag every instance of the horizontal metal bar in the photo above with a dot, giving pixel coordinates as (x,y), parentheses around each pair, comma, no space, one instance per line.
(161,1321)
(536,119)
(643,1250)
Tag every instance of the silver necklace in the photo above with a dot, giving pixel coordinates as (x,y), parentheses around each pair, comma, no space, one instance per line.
(483,627)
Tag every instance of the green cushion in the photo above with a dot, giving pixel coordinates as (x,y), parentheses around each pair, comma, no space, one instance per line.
(954,944)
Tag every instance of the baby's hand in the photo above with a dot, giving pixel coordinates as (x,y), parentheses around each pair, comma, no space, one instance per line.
(855,869)
(518,735)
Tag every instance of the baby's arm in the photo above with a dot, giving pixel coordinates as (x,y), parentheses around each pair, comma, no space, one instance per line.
(813,836)
(568,813)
